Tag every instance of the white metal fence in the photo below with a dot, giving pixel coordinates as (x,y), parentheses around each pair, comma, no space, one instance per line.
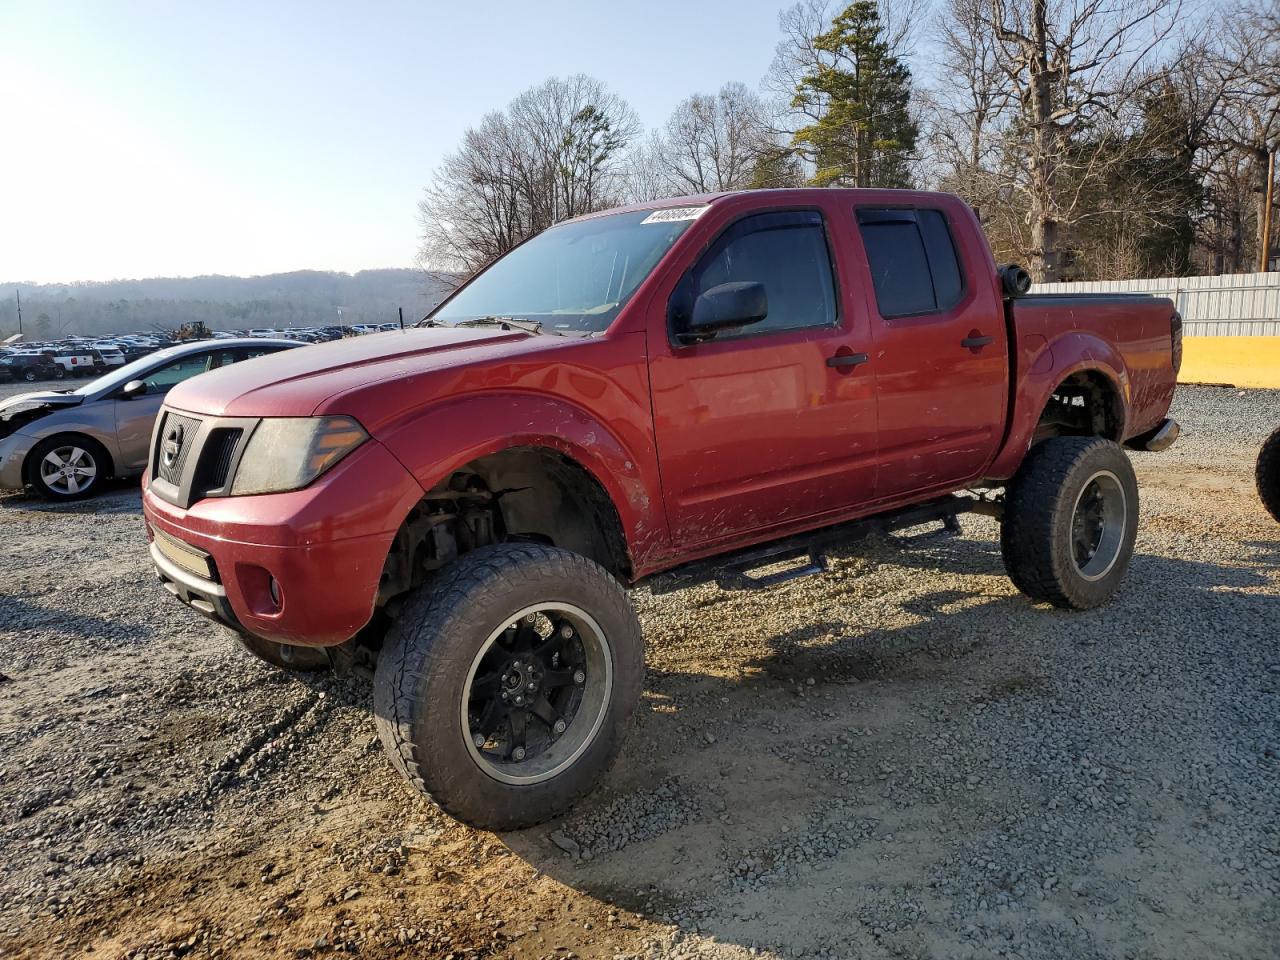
(1237,305)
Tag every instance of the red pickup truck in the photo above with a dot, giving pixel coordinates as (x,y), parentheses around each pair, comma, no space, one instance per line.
(709,387)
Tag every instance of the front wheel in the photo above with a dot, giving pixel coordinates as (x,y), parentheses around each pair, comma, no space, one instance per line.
(1070,521)
(504,688)
(1268,475)
(67,467)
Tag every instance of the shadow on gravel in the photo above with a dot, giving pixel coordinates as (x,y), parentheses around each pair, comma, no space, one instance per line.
(19,615)
(749,798)
(116,496)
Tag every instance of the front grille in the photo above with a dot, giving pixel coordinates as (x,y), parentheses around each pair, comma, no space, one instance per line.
(175,441)
(215,459)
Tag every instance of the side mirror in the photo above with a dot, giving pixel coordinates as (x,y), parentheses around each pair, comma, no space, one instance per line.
(134,388)
(728,306)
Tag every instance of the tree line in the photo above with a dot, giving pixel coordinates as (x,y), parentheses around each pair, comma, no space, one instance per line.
(298,299)
(1096,138)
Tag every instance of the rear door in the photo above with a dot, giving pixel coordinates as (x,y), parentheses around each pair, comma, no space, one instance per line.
(755,428)
(941,352)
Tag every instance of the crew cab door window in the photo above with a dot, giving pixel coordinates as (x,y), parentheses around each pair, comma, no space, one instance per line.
(913,261)
(787,253)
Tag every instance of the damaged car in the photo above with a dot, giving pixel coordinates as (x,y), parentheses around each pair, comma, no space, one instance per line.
(65,443)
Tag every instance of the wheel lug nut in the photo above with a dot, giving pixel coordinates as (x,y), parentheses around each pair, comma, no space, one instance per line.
(532,687)
(519,700)
(517,753)
(560,726)
(579,677)
(504,694)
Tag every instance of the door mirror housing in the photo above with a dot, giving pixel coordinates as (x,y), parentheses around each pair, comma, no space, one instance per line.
(728,306)
(134,388)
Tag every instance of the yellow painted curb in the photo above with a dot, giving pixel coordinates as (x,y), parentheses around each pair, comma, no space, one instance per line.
(1240,361)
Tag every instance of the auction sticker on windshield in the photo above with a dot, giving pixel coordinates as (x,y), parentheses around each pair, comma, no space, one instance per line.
(674,214)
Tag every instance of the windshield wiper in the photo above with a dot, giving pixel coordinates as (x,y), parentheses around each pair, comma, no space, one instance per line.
(506,323)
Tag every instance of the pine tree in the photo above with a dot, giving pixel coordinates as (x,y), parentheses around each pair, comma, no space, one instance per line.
(860,92)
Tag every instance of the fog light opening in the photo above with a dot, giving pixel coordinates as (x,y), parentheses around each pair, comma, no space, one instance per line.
(277,595)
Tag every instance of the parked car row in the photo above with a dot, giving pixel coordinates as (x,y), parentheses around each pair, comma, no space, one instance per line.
(86,356)
(74,356)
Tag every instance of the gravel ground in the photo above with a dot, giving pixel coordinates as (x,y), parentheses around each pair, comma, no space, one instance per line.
(900,757)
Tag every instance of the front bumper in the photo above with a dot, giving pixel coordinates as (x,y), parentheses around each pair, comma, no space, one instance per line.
(13,453)
(301,567)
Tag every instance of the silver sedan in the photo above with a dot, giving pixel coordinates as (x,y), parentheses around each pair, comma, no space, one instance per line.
(65,443)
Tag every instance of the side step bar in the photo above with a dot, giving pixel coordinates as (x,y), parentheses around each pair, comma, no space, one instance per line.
(732,571)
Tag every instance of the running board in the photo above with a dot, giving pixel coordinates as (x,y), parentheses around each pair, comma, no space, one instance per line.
(733,571)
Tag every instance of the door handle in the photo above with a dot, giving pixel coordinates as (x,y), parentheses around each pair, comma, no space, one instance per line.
(976,343)
(847,360)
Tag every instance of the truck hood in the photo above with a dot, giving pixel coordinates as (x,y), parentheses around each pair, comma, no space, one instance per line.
(301,382)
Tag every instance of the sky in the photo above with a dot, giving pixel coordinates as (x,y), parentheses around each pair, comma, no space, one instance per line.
(179,139)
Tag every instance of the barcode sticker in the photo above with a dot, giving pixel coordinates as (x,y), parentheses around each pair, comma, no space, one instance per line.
(674,214)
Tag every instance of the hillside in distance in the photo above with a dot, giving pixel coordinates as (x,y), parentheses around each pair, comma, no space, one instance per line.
(301,298)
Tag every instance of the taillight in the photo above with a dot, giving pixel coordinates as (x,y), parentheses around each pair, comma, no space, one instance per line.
(1175,333)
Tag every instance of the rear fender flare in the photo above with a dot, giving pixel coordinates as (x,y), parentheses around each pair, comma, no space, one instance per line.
(448,436)
(1056,360)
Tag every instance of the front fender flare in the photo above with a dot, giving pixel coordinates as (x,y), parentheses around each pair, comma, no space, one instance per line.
(447,436)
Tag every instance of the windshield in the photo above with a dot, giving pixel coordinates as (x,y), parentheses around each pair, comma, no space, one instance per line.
(574,277)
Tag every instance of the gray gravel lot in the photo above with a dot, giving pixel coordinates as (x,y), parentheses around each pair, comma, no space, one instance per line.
(900,757)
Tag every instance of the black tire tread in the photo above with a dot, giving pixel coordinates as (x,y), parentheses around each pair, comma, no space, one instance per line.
(1267,474)
(409,651)
(1032,501)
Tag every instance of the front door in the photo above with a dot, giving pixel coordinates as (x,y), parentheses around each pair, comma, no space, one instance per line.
(760,427)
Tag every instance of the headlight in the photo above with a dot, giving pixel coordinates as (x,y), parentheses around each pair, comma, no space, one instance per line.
(286,453)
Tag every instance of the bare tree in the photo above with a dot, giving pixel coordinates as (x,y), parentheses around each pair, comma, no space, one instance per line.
(1249,120)
(1075,68)
(712,143)
(966,113)
(556,152)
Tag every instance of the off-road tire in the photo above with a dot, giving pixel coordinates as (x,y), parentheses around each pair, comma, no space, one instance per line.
(423,669)
(95,452)
(1040,501)
(1268,475)
(283,655)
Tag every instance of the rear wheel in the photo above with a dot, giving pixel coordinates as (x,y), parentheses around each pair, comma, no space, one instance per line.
(1268,475)
(503,690)
(67,467)
(29,375)
(1070,521)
